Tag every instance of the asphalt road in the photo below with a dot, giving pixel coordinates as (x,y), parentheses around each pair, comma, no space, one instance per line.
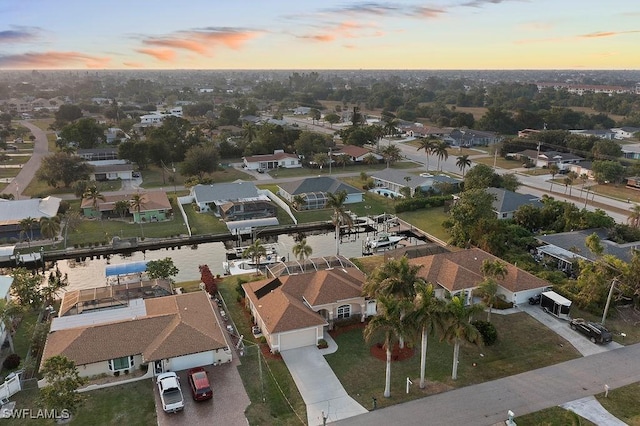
(488,403)
(29,169)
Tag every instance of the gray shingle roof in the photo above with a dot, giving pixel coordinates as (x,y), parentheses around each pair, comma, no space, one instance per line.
(509,201)
(575,242)
(318,184)
(233,191)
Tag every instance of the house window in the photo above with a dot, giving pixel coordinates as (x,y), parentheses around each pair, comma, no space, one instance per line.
(124,363)
(344,311)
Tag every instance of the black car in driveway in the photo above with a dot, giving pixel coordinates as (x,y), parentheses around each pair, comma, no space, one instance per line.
(597,333)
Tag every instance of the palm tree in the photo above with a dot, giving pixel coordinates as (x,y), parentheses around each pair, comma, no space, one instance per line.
(390,127)
(459,329)
(634,217)
(391,154)
(463,162)
(136,203)
(9,310)
(26,227)
(440,150)
(571,177)
(428,145)
(553,169)
(299,201)
(583,178)
(377,133)
(340,216)
(122,207)
(387,321)
(492,270)
(343,160)
(255,251)
(49,226)
(321,159)
(302,250)
(249,132)
(427,314)
(370,159)
(92,193)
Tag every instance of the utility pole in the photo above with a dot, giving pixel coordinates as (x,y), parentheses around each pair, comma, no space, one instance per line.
(330,161)
(606,307)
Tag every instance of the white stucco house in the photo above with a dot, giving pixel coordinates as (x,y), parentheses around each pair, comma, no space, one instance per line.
(314,191)
(111,170)
(293,311)
(279,158)
(169,333)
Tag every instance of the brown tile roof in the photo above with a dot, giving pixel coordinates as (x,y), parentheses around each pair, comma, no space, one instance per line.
(460,270)
(353,151)
(152,200)
(174,326)
(280,301)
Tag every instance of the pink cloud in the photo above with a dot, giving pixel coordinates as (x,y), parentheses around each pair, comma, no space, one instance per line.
(53,60)
(602,34)
(203,42)
(165,55)
(344,30)
(133,64)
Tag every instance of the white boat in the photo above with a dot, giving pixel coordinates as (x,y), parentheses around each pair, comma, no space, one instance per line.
(245,266)
(383,241)
(238,252)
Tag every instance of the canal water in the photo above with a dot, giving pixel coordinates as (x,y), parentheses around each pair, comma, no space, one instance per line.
(91,273)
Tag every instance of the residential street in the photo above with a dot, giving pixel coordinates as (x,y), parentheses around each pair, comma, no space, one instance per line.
(29,169)
(488,403)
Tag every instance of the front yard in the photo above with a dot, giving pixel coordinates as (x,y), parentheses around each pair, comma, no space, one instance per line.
(523,345)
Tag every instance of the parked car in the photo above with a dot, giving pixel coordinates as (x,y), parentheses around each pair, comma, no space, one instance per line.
(199,383)
(261,170)
(535,300)
(170,392)
(597,333)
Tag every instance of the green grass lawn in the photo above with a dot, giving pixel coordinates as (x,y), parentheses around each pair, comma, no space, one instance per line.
(39,188)
(12,161)
(554,416)
(500,162)
(429,220)
(130,404)
(204,223)
(623,403)
(274,383)
(622,320)
(619,192)
(9,173)
(153,177)
(523,345)
(98,231)
(536,172)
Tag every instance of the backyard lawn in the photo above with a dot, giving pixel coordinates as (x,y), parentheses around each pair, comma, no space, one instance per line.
(620,192)
(130,404)
(623,403)
(204,223)
(152,177)
(429,220)
(523,345)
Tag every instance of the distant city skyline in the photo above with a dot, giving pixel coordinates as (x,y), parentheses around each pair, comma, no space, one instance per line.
(287,34)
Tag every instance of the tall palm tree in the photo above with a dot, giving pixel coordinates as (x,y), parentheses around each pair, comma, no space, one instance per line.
(492,270)
(390,127)
(26,227)
(553,169)
(255,251)
(340,216)
(370,159)
(302,250)
(440,150)
(122,207)
(377,133)
(428,145)
(463,162)
(299,201)
(634,217)
(343,160)
(249,132)
(391,154)
(92,193)
(137,202)
(9,310)
(49,226)
(388,322)
(321,159)
(571,177)
(427,314)
(458,328)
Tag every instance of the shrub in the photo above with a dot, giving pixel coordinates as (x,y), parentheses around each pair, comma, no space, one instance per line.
(412,204)
(322,344)
(487,331)
(11,362)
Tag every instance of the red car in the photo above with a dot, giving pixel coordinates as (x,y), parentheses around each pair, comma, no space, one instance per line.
(199,384)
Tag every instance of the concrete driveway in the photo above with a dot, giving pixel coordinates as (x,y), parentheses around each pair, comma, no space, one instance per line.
(321,390)
(227,407)
(561,327)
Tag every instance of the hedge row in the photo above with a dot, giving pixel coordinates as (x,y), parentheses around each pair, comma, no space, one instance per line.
(412,204)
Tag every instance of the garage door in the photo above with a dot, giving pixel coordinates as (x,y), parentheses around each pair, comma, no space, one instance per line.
(297,339)
(190,361)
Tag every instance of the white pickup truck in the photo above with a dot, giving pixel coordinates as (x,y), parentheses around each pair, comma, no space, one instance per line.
(170,392)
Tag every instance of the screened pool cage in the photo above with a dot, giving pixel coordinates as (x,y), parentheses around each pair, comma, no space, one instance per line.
(314,200)
(293,267)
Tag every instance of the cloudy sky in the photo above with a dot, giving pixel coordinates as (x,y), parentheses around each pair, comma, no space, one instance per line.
(327,34)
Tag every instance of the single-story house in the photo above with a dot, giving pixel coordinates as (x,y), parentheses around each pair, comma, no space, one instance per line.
(155,206)
(279,158)
(459,273)
(235,201)
(394,180)
(426,131)
(292,311)
(5,295)
(357,154)
(111,170)
(625,132)
(566,247)
(14,211)
(314,189)
(469,137)
(547,158)
(96,154)
(168,333)
(506,202)
(582,168)
(631,151)
(599,133)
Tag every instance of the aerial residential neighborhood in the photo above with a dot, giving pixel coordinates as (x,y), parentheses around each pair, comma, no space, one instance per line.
(349,214)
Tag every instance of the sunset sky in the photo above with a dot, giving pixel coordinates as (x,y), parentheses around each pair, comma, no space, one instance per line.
(328,34)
